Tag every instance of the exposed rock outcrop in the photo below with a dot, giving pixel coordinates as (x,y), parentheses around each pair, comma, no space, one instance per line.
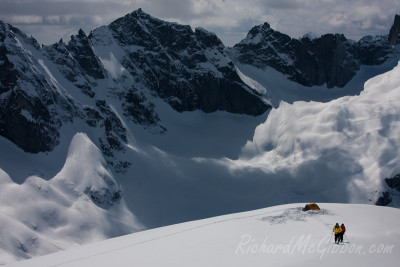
(330,59)
(394,34)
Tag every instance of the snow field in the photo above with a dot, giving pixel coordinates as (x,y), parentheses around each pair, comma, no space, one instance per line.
(251,239)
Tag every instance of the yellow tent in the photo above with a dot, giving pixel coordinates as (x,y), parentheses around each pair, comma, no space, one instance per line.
(311,206)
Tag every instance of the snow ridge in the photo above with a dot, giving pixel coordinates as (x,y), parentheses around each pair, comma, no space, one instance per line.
(81,204)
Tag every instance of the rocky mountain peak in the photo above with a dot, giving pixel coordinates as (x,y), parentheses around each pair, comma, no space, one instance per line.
(266,26)
(394,34)
(3,26)
(81,34)
(186,68)
(262,27)
(13,33)
(139,28)
(259,31)
(81,49)
(140,12)
(208,39)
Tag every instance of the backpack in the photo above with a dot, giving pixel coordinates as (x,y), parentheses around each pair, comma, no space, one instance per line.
(337,229)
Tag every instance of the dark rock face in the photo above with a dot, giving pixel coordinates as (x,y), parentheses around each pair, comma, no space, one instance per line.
(34,105)
(8,74)
(384,200)
(188,69)
(333,64)
(330,59)
(31,109)
(393,183)
(372,50)
(27,122)
(136,108)
(394,34)
(77,62)
(80,49)
(115,132)
(105,199)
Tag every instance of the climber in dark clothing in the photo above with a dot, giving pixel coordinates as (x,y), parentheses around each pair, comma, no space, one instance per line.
(343,230)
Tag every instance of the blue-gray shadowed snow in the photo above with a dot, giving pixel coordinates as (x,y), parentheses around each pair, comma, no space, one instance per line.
(162,127)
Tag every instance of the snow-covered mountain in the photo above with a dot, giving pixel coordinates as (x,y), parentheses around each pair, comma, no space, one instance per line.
(132,60)
(145,123)
(279,236)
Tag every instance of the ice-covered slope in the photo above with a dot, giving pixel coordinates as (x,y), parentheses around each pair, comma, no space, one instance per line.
(81,204)
(341,148)
(275,236)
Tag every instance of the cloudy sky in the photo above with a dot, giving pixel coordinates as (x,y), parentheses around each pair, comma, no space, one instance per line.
(50,20)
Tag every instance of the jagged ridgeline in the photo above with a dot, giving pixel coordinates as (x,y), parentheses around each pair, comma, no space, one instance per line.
(330,59)
(132,61)
(188,69)
(137,59)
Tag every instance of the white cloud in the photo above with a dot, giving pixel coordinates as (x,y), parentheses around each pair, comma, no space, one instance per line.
(338,20)
(52,19)
(25,19)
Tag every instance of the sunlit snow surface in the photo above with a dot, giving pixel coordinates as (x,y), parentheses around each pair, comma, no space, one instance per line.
(275,236)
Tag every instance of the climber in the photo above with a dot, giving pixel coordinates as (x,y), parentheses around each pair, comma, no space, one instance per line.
(337,230)
(343,230)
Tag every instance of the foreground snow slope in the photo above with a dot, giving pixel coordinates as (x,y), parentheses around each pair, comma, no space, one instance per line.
(276,236)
